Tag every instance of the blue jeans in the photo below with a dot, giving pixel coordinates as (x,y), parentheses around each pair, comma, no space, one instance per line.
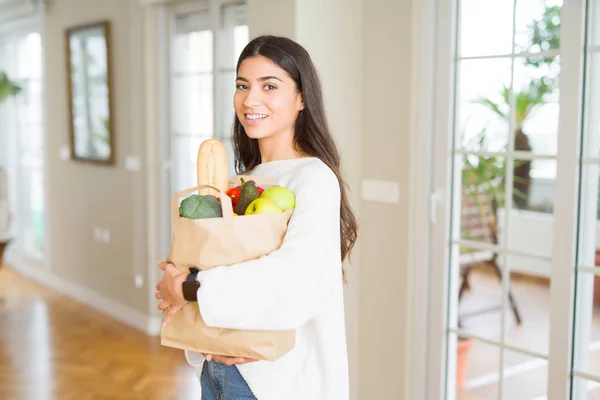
(223,382)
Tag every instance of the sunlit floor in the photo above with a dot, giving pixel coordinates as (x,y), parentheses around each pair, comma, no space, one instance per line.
(53,348)
(524,376)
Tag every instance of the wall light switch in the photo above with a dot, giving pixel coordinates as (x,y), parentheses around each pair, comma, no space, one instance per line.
(380,191)
(132,163)
(64,153)
(139,281)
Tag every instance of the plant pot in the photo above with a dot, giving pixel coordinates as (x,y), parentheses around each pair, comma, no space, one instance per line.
(463,347)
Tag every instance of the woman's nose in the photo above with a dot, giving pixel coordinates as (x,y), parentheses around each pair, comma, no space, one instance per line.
(253,98)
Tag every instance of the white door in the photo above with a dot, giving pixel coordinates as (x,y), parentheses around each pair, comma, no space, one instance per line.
(517,156)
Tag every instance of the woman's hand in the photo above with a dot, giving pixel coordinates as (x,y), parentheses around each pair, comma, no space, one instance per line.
(169,290)
(228,360)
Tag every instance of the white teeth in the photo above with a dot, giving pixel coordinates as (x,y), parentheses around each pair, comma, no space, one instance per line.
(256,116)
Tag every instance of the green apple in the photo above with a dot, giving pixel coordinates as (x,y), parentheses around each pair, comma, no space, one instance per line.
(281,196)
(262,206)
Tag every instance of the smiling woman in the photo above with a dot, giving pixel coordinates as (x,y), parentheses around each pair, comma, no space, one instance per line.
(280,132)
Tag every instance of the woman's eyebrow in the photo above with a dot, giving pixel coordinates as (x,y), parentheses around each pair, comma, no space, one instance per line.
(262,79)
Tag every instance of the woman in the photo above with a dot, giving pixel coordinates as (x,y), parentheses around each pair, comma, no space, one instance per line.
(280,131)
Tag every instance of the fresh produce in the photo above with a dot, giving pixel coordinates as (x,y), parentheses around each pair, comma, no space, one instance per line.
(200,206)
(234,193)
(262,206)
(283,197)
(248,194)
(212,166)
(273,200)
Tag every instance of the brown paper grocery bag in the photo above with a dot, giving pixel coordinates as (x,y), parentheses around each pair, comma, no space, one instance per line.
(206,243)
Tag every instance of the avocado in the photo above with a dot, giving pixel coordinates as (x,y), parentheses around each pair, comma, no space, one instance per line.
(197,207)
(248,194)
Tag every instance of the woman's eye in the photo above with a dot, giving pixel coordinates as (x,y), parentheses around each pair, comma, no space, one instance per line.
(270,87)
(241,86)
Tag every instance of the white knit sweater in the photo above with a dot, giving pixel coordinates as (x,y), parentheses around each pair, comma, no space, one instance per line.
(298,286)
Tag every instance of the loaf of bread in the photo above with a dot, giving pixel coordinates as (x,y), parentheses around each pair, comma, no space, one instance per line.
(212,166)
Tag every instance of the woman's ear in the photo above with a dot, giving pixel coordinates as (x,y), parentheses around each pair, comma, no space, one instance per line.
(300,101)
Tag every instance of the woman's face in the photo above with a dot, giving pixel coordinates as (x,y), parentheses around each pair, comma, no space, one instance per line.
(266,100)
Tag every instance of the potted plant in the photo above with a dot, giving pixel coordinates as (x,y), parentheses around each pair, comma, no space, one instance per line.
(463,347)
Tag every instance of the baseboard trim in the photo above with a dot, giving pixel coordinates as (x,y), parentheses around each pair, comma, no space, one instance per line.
(125,314)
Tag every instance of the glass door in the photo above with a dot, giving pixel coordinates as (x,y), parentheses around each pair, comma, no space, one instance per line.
(517,158)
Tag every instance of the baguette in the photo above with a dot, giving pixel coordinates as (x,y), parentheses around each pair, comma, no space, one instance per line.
(212,166)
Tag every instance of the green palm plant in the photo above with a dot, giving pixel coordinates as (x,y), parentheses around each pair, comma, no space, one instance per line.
(544,35)
(7,87)
(526,101)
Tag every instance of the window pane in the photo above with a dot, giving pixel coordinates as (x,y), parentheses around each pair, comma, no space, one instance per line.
(525,377)
(485,27)
(22,141)
(483,104)
(192,49)
(536,113)
(537,25)
(593,25)
(234,37)
(591,137)
(192,105)
(477,370)
(527,306)
(533,189)
(184,156)
(234,34)
(32,208)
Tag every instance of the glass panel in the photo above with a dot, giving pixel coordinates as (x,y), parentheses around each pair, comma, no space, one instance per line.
(185,155)
(593,18)
(482,196)
(22,139)
(527,312)
(537,25)
(485,27)
(587,358)
(586,389)
(536,105)
(33,195)
(192,44)
(591,139)
(480,295)
(234,37)
(234,34)
(483,104)
(531,222)
(525,377)
(192,105)
(227,112)
(477,370)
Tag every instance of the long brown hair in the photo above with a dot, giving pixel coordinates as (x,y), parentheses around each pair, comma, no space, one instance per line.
(312,136)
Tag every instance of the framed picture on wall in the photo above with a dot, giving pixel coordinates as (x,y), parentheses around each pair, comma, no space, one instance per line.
(89,93)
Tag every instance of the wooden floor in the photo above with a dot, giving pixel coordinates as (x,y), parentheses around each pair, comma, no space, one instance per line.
(53,348)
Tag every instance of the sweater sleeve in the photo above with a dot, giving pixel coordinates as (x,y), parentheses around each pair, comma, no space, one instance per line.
(284,289)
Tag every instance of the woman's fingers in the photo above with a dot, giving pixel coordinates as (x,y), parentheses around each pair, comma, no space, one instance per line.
(158,295)
(163,304)
(229,360)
